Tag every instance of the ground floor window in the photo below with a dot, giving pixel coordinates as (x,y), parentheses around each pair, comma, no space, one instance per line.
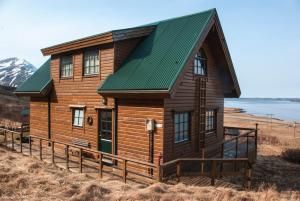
(182,126)
(211,121)
(78,117)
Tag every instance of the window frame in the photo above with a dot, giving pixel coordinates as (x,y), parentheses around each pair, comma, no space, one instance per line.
(95,66)
(211,121)
(64,64)
(200,63)
(181,133)
(79,117)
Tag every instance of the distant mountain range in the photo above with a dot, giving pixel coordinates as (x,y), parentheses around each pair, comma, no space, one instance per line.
(14,71)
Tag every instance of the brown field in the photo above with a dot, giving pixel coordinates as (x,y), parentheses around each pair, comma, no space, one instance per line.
(26,178)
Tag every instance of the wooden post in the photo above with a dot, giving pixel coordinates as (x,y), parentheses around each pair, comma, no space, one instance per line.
(255,140)
(178,171)
(202,163)
(30,146)
(236,151)
(124,170)
(160,169)
(213,172)
(67,157)
(12,141)
(295,124)
(41,150)
(248,177)
(100,166)
(52,152)
(21,137)
(5,138)
(247,146)
(80,160)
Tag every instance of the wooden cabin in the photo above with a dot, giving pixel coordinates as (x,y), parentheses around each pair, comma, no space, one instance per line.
(153,92)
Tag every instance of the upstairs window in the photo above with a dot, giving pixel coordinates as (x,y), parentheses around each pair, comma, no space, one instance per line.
(66,66)
(78,117)
(211,121)
(182,126)
(200,63)
(91,62)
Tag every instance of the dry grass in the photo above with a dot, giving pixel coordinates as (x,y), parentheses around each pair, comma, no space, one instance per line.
(291,155)
(25,178)
(273,178)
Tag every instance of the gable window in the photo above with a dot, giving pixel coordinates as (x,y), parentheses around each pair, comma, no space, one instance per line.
(200,63)
(211,121)
(66,66)
(91,62)
(182,126)
(78,117)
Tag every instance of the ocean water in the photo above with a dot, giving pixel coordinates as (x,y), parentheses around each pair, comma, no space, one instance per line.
(285,109)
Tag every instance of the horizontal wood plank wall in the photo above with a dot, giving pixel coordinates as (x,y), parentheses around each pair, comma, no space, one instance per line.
(123,49)
(214,100)
(184,100)
(39,117)
(133,139)
(78,90)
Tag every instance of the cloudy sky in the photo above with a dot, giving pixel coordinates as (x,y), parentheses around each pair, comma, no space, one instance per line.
(263,35)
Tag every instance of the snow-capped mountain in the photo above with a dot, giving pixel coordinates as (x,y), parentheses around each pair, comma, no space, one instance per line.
(14,71)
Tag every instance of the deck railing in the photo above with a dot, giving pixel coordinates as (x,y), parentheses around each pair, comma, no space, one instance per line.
(244,143)
(117,162)
(218,167)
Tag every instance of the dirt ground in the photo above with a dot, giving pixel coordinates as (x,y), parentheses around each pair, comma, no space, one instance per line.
(26,178)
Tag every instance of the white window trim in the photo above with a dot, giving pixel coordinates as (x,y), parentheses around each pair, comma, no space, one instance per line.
(77,117)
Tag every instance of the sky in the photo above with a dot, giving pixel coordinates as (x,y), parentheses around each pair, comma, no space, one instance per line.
(263,36)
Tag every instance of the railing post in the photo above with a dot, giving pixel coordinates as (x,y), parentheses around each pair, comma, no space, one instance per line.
(21,137)
(53,153)
(178,171)
(248,177)
(236,151)
(12,141)
(247,146)
(41,150)
(5,138)
(213,172)
(100,166)
(202,156)
(80,160)
(256,132)
(124,170)
(67,157)
(160,169)
(30,146)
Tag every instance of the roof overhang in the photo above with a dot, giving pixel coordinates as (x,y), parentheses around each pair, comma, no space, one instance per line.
(99,39)
(43,93)
(136,93)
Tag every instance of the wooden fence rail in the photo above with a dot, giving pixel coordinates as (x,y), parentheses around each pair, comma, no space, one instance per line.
(101,155)
(123,163)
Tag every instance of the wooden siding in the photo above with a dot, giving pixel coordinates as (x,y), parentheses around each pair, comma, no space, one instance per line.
(133,139)
(123,50)
(183,100)
(39,117)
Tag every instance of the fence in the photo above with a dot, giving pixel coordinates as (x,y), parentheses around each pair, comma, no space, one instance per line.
(64,150)
(217,167)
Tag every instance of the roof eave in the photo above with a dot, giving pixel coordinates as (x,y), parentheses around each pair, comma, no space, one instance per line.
(42,93)
(99,39)
(115,93)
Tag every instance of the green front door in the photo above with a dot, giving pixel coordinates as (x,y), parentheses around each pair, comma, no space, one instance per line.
(105,131)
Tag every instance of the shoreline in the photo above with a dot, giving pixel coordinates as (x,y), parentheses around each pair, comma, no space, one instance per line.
(236,110)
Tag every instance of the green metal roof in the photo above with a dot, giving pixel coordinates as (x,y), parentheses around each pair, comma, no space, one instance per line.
(158,60)
(38,82)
